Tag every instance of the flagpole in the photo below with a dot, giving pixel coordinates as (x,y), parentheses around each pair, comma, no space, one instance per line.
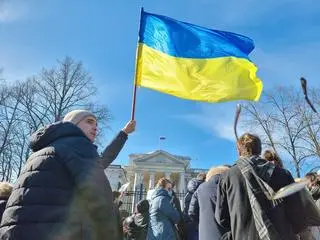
(134,95)
(236,119)
(159,141)
(133,107)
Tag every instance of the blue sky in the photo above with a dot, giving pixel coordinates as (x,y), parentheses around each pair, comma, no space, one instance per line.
(103,34)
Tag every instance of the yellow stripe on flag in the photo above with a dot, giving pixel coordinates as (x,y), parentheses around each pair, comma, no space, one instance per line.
(206,79)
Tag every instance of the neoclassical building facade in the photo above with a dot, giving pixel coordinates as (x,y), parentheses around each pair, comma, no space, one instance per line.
(144,170)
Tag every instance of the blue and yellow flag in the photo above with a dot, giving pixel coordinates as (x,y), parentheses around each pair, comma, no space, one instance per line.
(194,62)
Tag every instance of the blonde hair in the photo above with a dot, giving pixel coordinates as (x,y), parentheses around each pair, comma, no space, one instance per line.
(216,170)
(249,144)
(162,182)
(5,189)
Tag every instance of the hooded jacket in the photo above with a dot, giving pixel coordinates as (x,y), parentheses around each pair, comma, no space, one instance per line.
(192,186)
(137,225)
(62,189)
(162,217)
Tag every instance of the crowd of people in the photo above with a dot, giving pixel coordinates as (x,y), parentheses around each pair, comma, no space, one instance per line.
(62,193)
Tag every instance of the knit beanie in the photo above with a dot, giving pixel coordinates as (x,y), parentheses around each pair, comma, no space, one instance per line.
(76,116)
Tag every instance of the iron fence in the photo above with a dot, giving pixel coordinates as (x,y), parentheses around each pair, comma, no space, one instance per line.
(130,198)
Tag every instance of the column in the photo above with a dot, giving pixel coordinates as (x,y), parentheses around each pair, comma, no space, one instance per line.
(182,187)
(141,182)
(151,181)
(138,180)
(182,182)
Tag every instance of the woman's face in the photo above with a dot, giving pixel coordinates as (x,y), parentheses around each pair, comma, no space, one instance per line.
(168,186)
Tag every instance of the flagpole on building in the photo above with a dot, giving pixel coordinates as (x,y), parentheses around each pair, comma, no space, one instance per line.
(136,73)
(159,140)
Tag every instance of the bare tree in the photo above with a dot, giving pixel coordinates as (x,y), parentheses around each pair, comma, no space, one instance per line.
(40,100)
(9,119)
(286,126)
(312,121)
(261,121)
(64,87)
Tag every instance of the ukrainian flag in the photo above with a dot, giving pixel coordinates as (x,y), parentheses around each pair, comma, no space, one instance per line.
(193,62)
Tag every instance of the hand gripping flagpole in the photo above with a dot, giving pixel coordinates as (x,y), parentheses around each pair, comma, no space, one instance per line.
(138,54)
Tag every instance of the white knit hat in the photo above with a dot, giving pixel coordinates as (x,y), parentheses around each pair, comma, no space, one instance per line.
(76,116)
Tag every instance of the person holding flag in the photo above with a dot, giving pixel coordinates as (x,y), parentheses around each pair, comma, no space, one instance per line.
(62,191)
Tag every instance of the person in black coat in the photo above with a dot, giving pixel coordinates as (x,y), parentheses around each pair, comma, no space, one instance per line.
(234,207)
(192,186)
(202,208)
(190,227)
(62,191)
(136,226)
(5,192)
(181,228)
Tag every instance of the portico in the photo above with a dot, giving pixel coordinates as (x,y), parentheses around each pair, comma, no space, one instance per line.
(150,167)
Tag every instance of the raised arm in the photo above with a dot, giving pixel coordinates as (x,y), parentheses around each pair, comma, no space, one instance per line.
(112,150)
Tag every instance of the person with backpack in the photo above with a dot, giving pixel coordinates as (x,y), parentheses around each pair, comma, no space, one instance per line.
(243,205)
(135,227)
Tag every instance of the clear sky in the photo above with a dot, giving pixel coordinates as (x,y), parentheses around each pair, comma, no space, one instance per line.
(103,35)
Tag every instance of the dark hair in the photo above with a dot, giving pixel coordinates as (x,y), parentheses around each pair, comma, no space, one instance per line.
(143,206)
(249,144)
(272,156)
(312,176)
(201,176)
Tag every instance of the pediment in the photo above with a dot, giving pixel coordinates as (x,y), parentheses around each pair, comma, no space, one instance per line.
(160,158)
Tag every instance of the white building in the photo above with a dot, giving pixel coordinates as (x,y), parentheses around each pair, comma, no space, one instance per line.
(144,170)
(116,175)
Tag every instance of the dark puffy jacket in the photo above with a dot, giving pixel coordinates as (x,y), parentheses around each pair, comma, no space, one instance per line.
(3,203)
(62,191)
(192,186)
(163,216)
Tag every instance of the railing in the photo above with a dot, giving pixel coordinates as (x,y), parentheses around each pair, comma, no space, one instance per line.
(132,197)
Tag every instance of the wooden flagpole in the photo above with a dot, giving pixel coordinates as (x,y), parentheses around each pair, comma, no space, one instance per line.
(133,108)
